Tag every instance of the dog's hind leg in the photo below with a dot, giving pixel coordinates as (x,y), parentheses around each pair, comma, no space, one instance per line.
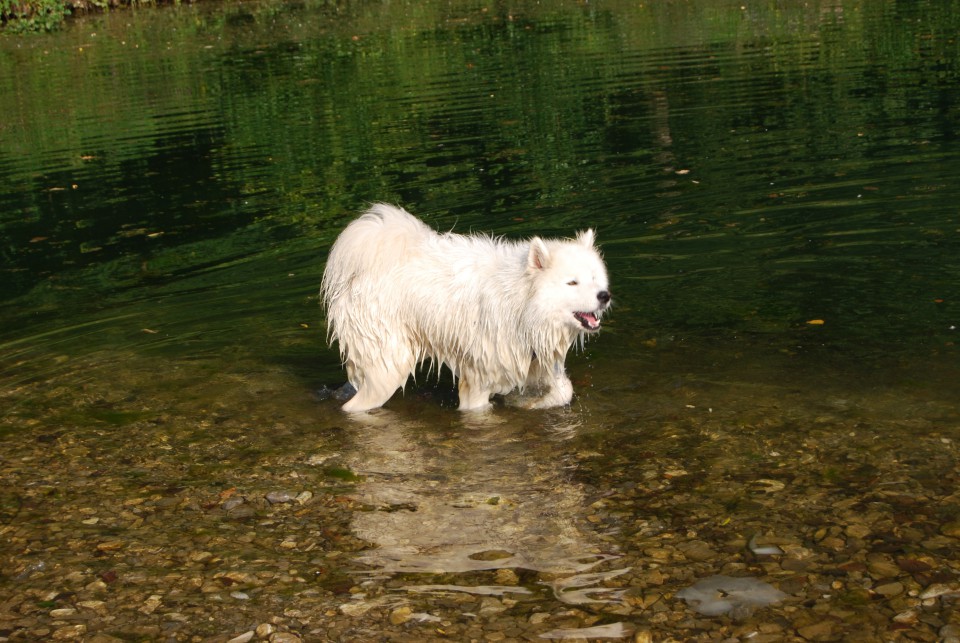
(377,383)
(472,398)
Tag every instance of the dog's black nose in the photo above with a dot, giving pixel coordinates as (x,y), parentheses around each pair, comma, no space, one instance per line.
(603,296)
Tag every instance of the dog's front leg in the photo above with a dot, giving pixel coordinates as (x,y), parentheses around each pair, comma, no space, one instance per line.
(471,397)
(559,388)
(549,385)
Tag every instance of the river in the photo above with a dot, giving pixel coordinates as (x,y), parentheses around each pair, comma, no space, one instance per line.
(773,396)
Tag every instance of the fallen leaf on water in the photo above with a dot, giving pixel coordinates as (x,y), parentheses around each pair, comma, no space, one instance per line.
(815,322)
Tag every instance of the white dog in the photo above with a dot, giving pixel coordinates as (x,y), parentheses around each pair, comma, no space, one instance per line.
(501,315)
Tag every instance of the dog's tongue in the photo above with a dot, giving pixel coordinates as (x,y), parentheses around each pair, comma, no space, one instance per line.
(589,320)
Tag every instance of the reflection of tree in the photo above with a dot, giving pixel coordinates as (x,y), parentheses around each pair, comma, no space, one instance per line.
(547,116)
(492,497)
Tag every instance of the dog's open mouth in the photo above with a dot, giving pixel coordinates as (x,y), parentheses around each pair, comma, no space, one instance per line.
(588,320)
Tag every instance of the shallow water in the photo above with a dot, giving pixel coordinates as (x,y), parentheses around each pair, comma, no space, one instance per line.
(774,193)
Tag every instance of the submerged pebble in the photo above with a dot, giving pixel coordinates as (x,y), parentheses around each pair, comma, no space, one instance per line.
(277,497)
(762,550)
(723,594)
(340,394)
(609,631)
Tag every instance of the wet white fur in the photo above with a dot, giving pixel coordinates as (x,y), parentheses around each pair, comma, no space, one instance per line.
(497,313)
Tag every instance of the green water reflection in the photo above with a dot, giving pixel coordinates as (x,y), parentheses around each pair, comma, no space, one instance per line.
(748,169)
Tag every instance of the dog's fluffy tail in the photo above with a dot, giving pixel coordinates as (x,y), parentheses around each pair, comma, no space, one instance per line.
(371,245)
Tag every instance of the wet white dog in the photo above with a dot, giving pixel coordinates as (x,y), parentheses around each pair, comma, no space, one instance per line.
(501,315)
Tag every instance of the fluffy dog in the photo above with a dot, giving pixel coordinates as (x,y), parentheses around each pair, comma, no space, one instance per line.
(501,315)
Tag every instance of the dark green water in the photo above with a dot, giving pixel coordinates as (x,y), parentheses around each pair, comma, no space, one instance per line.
(748,170)
(171,180)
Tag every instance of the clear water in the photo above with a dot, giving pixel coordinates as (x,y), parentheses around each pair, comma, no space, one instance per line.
(774,190)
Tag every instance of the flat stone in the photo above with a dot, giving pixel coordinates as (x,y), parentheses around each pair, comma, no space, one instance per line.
(951,529)
(882,567)
(858,531)
(243,638)
(820,631)
(284,637)
(400,615)
(889,589)
(69,632)
(697,550)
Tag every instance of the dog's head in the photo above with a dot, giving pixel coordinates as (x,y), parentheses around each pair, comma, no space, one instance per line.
(571,285)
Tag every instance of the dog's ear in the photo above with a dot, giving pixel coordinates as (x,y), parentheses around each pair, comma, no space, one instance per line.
(539,256)
(586,237)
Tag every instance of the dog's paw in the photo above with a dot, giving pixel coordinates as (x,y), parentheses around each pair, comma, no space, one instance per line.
(529,402)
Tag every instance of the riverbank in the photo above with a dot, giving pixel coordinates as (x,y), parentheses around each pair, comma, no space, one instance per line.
(21,16)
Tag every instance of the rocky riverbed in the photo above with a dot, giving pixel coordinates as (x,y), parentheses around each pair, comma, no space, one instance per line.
(155,501)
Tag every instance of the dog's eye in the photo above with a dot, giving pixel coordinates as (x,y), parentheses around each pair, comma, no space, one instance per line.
(572,282)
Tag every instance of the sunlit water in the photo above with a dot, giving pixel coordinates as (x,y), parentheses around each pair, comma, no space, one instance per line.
(774,192)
